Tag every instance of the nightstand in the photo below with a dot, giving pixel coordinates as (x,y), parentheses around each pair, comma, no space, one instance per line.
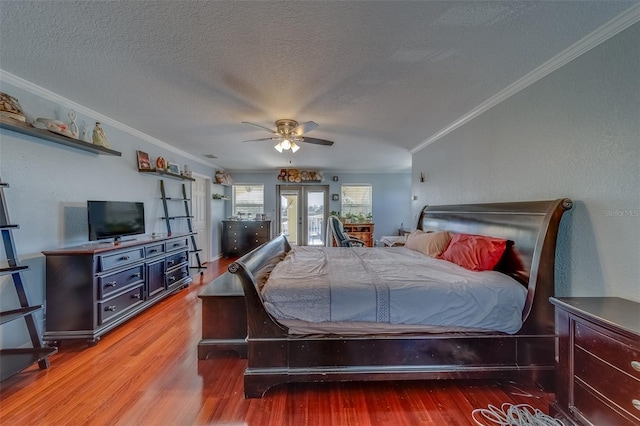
(598,361)
(224,317)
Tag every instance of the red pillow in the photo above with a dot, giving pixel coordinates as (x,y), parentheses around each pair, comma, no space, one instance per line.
(474,252)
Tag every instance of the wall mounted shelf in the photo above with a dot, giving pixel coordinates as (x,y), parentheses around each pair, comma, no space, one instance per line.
(25,129)
(165,174)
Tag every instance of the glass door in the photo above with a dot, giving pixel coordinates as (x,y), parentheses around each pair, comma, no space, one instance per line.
(302,213)
(288,217)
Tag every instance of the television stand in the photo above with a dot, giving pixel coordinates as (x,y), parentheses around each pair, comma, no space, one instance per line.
(119,240)
(92,289)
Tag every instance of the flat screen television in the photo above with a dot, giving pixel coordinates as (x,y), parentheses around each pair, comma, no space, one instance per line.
(114,219)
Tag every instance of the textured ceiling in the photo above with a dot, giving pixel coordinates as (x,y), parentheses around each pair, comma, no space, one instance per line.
(379,77)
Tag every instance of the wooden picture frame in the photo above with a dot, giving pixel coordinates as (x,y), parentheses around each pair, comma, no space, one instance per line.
(143,160)
(174,168)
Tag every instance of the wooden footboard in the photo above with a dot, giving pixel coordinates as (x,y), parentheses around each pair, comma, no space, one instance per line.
(275,356)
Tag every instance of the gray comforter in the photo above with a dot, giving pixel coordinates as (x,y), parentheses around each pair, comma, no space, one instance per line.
(392,286)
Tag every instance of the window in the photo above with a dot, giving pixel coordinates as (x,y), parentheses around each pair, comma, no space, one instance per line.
(356,200)
(248,200)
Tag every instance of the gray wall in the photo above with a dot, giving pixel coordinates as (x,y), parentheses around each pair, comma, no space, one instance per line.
(51,183)
(574,133)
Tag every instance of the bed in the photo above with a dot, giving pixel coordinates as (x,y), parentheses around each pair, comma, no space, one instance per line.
(290,350)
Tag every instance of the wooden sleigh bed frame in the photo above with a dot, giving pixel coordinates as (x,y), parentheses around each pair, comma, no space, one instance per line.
(276,356)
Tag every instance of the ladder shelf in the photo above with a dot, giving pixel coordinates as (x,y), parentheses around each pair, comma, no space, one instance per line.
(168,218)
(14,360)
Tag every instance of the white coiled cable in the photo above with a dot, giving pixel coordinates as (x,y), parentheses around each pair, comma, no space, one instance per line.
(514,415)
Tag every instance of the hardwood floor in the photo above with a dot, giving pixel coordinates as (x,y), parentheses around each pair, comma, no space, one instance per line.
(146,372)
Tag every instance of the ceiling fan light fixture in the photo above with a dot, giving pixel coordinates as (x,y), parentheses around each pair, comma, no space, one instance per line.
(286,143)
(278,147)
(294,147)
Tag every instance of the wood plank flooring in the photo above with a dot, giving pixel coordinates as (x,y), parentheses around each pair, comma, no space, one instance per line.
(146,372)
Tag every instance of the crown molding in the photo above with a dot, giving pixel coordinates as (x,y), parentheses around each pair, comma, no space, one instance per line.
(605,32)
(61,100)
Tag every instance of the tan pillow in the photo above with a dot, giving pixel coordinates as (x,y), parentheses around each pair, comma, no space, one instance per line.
(413,240)
(429,243)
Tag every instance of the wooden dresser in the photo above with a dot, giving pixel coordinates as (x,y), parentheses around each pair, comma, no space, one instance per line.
(93,288)
(598,361)
(361,231)
(241,236)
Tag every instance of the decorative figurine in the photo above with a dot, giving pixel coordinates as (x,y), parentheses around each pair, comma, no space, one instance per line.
(161,163)
(73,127)
(99,138)
(10,107)
(86,136)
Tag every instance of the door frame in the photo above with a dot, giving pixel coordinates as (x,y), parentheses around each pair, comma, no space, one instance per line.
(207,249)
(303,207)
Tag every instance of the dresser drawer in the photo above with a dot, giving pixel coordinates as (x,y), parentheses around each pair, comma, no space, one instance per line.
(113,283)
(261,230)
(176,259)
(176,275)
(110,310)
(620,388)
(231,247)
(619,352)
(153,251)
(177,245)
(591,410)
(120,259)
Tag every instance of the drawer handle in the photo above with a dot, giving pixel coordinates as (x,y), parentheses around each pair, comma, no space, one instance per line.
(172,279)
(136,296)
(176,244)
(636,403)
(635,365)
(153,251)
(170,263)
(110,309)
(111,284)
(136,275)
(124,258)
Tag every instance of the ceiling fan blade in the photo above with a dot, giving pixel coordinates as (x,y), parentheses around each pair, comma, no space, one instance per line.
(262,127)
(306,127)
(316,141)
(263,139)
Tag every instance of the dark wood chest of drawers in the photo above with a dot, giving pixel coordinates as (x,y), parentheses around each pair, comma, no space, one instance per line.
(241,236)
(93,288)
(598,364)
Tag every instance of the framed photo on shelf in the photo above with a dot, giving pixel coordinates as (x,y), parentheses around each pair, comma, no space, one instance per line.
(174,168)
(143,160)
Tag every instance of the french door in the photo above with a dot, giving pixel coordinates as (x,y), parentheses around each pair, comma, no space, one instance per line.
(302,211)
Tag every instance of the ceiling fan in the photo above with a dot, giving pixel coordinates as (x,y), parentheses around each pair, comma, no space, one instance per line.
(288,132)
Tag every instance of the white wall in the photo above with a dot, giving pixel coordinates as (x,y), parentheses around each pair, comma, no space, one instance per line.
(574,133)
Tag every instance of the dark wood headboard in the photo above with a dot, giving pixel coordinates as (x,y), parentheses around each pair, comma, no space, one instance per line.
(531,227)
